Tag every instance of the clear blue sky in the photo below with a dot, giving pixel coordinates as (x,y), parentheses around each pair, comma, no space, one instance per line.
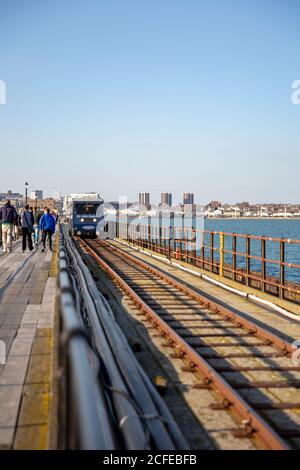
(122,96)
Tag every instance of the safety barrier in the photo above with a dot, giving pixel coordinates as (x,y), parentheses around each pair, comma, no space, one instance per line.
(109,401)
(262,262)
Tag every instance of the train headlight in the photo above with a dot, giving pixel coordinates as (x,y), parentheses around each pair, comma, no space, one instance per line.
(81,220)
(94,220)
(79,233)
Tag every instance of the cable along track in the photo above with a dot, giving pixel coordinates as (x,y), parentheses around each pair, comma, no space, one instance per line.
(231,356)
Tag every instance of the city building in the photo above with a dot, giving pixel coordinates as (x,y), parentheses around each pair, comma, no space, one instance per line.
(214,205)
(10,195)
(144,199)
(188,198)
(166,199)
(16,199)
(37,194)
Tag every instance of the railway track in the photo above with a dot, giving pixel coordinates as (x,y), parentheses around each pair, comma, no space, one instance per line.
(230,356)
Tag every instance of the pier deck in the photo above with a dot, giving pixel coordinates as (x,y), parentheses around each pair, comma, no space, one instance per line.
(27,306)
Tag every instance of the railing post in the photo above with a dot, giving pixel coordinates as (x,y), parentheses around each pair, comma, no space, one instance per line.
(160,231)
(137,234)
(194,235)
(233,258)
(211,247)
(263,263)
(171,234)
(247,260)
(282,277)
(117,231)
(202,255)
(221,266)
(181,243)
(149,233)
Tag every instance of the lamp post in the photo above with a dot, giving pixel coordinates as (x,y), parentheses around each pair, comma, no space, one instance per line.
(26,193)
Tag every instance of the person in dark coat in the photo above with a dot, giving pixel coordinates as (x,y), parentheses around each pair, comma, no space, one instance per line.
(8,215)
(27,221)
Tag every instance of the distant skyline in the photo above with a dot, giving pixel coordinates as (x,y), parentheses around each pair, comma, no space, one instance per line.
(122,97)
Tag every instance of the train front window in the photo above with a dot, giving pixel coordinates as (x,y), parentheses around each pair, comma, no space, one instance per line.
(86,209)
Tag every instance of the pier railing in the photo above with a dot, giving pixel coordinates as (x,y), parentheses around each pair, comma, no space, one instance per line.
(269,264)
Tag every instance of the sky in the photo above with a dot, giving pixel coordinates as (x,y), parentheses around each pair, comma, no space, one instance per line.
(126,96)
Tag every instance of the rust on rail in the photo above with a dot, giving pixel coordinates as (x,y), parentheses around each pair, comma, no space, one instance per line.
(251,424)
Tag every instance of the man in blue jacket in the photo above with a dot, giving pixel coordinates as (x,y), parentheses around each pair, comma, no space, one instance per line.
(47,227)
(8,216)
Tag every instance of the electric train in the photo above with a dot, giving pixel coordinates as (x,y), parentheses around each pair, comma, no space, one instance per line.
(85,217)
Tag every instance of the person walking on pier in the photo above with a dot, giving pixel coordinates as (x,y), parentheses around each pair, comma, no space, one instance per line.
(16,227)
(8,215)
(27,222)
(47,226)
(37,217)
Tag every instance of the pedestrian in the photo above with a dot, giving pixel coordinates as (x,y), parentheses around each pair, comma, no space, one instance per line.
(16,227)
(37,217)
(8,216)
(47,226)
(27,222)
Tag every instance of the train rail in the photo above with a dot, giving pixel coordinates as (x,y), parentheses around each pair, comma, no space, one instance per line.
(226,352)
(106,400)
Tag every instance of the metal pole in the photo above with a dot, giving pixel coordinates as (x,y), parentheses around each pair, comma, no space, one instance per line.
(211,246)
(160,232)
(181,243)
(221,267)
(202,254)
(233,260)
(117,231)
(281,280)
(247,260)
(26,193)
(194,235)
(263,264)
(171,234)
(149,233)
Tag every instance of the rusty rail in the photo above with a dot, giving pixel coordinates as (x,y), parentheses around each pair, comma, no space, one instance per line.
(251,423)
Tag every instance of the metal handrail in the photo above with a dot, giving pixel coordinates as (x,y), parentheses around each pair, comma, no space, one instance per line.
(140,418)
(85,410)
(211,251)
(161,426)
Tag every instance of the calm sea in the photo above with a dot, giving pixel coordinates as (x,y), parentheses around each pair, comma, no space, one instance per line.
(282,228)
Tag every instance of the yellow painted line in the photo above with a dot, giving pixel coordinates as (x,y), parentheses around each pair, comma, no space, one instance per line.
(53,266)
(33,422)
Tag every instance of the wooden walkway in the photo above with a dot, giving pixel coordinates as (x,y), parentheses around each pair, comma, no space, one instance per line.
(27,306)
